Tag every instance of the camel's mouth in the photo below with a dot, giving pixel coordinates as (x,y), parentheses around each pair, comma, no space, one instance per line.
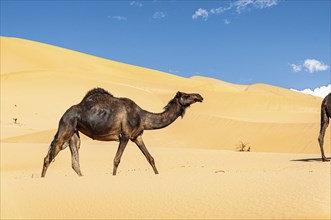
(198,98)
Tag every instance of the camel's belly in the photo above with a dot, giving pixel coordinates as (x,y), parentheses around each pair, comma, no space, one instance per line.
(106,138)
(101,137)
(101,132)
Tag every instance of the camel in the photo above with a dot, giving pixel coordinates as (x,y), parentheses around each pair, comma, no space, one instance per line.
(103,117)
(325,115)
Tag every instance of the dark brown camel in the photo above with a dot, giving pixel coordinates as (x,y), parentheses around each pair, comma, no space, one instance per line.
(325,115)
(103,117)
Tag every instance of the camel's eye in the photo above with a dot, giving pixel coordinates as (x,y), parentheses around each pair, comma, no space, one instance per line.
(186,96)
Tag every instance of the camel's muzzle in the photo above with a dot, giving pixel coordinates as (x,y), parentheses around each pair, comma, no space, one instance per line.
(198,98)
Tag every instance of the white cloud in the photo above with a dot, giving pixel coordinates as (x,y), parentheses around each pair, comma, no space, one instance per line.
(239,6)
(296,68)
(310,65)
(136,3)
(220,10)
(159,15)
(173,71)
(203,13)
(226,21)
(119,18)
(320,91)
(242,5)
(313,65)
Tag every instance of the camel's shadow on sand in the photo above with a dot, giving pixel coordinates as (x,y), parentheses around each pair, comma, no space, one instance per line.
(312,159)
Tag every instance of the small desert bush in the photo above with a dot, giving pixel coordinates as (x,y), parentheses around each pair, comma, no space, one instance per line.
(243,146)
(15,121)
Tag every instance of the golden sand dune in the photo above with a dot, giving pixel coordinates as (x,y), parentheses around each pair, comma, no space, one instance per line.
(39,82)
(201,174)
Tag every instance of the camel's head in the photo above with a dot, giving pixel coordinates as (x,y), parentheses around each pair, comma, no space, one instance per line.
(186,99)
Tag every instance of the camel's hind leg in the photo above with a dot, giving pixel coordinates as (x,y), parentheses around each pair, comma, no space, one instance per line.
(74,147)
(324,125)
(56,146)
(67,127)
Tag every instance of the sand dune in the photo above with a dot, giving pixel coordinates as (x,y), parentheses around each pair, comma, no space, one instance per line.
(39,82)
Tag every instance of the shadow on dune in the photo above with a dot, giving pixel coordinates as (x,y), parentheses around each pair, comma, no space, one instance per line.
(312,159)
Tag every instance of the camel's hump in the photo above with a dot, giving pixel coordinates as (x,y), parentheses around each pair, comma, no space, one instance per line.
(96,91)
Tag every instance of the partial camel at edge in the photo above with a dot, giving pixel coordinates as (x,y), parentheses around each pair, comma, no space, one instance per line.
(325,115)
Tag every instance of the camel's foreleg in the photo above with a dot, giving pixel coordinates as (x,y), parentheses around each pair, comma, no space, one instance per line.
(140,143)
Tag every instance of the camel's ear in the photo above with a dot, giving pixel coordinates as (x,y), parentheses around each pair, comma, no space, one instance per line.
(179,94)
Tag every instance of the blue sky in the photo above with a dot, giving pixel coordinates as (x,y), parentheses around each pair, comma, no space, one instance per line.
(277,42)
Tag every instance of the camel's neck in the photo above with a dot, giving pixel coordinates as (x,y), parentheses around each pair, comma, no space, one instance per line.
(160,120)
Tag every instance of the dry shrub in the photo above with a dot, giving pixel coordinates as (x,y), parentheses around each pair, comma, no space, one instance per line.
(243,147)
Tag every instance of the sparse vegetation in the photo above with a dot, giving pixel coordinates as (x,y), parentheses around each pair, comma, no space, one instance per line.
(243,146)
(219,171)
(15,120)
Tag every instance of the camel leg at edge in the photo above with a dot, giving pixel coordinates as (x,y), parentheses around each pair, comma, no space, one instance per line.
(140,143)
(123,142)
(324,125)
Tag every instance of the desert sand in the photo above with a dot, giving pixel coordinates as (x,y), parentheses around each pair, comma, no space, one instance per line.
(202,175)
